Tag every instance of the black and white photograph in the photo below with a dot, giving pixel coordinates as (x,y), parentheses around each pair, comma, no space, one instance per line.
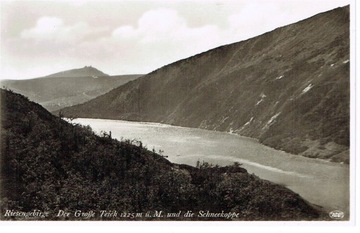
(201,111)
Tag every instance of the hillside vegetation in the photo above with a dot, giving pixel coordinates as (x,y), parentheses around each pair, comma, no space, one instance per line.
(50,165)
(289,88)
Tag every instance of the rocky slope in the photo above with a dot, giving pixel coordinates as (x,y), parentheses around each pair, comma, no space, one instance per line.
(49,165)
(289,88)
(67,88)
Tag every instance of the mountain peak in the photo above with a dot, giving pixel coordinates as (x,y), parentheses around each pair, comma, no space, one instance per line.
(86,71)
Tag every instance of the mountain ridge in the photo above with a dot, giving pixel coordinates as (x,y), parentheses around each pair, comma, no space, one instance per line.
(66,88)
(289,88)
(86,71)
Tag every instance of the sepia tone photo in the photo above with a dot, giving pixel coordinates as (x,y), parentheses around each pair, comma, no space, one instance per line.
(175,110)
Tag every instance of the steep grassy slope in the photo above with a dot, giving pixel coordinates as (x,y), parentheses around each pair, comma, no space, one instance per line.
(289,88)
(49,165)
(67,88)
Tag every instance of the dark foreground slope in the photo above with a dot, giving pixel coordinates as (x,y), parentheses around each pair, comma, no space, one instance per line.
(67,88)
(289,88)
(50,165)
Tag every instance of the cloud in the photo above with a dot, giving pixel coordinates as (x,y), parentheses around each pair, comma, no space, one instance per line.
(160,21)
(152,26)
(258,17)
(53,29)
(133,37)
(125,32)
(159,36)
(46,27)
(162,36)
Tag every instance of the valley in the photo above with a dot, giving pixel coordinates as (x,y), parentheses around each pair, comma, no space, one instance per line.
(288,88)
(254,130)
(325,184)
(49,165)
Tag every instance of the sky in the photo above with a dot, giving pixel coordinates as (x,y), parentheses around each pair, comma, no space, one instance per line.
(39,38)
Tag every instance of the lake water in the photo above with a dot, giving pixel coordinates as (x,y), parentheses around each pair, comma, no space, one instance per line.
(320,182)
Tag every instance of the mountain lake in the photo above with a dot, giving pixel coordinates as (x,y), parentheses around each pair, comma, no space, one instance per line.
(318,181)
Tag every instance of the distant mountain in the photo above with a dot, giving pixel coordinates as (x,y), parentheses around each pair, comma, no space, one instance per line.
(87,71)
(49,165)
(290,88)
(67,88)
